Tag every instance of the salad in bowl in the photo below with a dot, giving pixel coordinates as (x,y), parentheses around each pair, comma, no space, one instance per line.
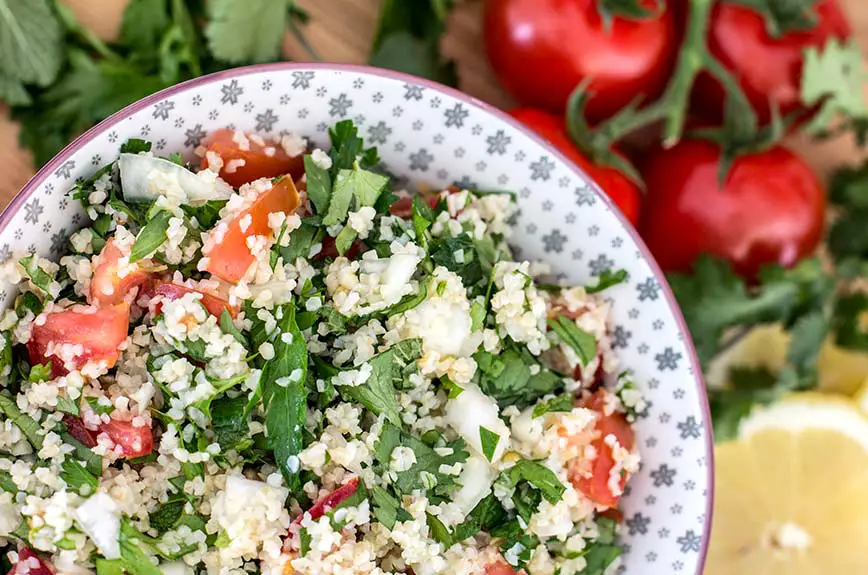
(273,356)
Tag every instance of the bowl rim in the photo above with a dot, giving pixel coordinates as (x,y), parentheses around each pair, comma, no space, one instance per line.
(45,171)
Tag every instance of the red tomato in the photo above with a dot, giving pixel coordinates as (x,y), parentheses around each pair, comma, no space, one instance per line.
(230,258)
(257,163)
(403,207)
(106,287)
(30,564)
(98,330)
(617,186)
(212,303)
(771,208)
(134,441)
(542,49)
(76,428)
(768,69)
(499,568)
(332,500)
(596,486)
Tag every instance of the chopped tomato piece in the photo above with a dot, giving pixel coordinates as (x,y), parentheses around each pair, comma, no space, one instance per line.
(29,563)
(76,428)
(330,251)
(212,303)
(332,500)
(596,485)
(241,166)
(134,441)
(107,287)
(499,568)
(228,255)
(99,332)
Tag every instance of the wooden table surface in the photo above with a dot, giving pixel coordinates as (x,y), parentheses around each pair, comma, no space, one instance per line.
(341,30)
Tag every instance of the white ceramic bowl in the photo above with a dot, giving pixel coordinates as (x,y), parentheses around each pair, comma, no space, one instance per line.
(431,133)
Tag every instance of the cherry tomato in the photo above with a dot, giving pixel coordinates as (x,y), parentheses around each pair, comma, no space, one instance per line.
(29,563)
(134,441)
(617,186)
(228,255)
(172,291)
(771,208)
(767,68)
(542,49)
(258,160)
(106,286)
(596,485)
(76,428)
(499,568)
(100,331)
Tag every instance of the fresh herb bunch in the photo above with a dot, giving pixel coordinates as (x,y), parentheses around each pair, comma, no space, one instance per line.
(60,79)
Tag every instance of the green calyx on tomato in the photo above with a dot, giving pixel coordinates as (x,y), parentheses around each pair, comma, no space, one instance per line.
(620,189)
(783,16)
(628,9)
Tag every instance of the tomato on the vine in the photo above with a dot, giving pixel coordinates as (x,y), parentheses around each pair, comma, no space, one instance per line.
(541,50)
(623,191)
(771,208)
(768,69)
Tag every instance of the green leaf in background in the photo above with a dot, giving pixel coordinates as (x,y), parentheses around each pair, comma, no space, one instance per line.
(248,30)
(832,78)
(30,42)
(408,39)
(144,22)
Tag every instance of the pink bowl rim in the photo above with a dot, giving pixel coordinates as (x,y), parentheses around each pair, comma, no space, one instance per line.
(37,180)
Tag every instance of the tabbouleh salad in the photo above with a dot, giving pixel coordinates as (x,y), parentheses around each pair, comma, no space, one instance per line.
(274,362)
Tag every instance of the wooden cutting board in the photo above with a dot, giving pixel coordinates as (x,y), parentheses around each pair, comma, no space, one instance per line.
(340,31)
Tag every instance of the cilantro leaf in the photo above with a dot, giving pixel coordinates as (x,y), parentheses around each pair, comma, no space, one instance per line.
(378,392)
(582,342)
(30,35)
(251,31)
(284,396)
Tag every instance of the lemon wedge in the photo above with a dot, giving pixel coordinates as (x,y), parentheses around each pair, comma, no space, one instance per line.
(791,495)
(841,370)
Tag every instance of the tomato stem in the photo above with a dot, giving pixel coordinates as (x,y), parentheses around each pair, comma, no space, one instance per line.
(671,108)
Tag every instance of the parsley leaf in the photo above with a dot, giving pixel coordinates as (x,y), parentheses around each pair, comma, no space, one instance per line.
(319,185)
(583,343)
(508,379)
(37,275)
(166,516)
(284,397)
(559,403)
(539,476)
(28,426)
(250,31)
(378,392)
(387,508)
(606,280)
(77,477)
(425,474)
(136,561)
(229,422)
(356,183)
(489,441)
(151,236)
(408,39)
